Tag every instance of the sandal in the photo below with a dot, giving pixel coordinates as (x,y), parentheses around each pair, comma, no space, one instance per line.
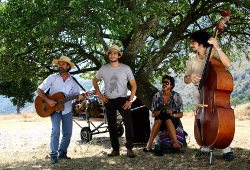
(146,150)
(176,145)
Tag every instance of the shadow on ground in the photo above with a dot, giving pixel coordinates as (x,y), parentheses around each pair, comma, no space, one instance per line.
(99,160)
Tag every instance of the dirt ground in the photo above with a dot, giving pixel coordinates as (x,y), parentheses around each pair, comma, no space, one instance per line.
(24,144)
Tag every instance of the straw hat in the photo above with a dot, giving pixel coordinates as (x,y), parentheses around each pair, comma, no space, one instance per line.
(114,48)
(65,59)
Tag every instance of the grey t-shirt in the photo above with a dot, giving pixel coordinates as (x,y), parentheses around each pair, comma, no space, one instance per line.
(115,80)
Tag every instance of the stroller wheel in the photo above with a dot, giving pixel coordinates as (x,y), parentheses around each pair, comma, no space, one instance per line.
(86,134)
(120,129)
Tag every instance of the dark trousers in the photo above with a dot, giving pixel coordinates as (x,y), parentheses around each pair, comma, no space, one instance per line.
(111,112)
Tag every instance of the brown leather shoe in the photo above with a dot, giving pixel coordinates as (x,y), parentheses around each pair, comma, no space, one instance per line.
(130,153)
(114,153)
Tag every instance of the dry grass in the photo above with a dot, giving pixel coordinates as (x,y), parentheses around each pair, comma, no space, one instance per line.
(25,145)
(242,112)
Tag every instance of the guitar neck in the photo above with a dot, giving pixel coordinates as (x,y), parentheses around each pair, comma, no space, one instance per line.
(66,99)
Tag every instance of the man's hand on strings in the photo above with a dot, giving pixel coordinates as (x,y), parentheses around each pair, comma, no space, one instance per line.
(51,103)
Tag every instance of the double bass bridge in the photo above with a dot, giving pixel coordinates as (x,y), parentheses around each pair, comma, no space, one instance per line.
(201,105)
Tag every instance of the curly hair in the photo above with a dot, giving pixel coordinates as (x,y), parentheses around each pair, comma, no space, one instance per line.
(201,37)
(172,81)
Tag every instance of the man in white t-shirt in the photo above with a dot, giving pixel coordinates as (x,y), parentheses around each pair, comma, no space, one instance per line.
(200,42)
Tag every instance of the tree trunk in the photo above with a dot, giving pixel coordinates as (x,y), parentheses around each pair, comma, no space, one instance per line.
(18,106)
(145,91)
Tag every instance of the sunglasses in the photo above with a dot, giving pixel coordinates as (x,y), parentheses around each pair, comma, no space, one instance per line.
(166,82)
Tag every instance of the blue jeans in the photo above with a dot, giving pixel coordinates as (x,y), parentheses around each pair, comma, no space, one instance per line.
(67,123)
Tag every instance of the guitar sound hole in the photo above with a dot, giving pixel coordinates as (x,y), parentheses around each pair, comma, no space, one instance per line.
(44,106)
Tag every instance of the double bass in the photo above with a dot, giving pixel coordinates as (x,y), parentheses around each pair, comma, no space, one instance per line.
(214,125)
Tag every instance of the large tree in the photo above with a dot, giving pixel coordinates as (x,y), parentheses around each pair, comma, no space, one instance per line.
(20,91)
(153,34)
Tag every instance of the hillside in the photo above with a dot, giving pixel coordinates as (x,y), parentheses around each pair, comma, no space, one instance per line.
(241,94)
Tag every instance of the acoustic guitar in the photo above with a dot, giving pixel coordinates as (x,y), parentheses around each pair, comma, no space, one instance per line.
(44,110)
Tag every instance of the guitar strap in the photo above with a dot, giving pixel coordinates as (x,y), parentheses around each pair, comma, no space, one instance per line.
(47,92)
(78,83)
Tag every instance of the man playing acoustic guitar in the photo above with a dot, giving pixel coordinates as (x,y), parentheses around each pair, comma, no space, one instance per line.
(61,82)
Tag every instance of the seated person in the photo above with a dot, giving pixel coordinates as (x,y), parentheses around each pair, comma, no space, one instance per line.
(167,108)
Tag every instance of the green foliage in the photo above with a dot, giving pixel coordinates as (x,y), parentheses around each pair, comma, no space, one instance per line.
(235,101)
(21,91)
(153,34)
(188,107)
